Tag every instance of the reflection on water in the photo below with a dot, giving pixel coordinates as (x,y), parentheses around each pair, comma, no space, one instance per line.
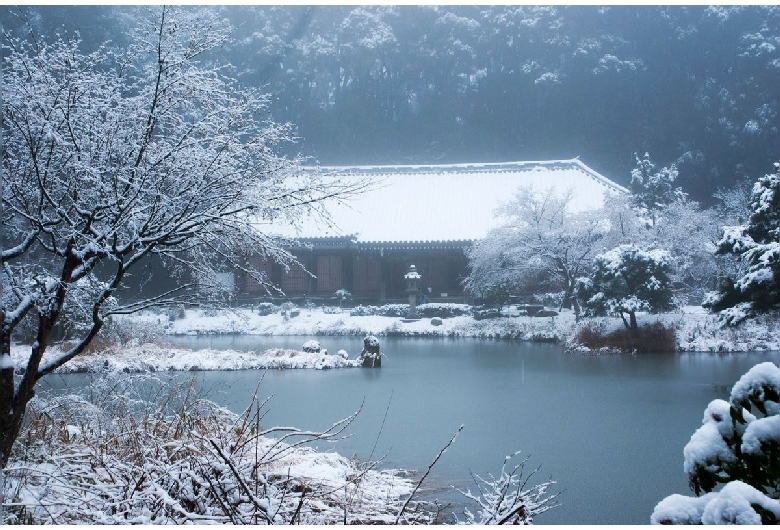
(609,429)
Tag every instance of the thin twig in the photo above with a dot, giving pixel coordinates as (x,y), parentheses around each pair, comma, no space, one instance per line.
(241,482)
(414,492)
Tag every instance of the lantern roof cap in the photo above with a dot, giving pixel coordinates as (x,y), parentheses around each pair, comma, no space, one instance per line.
(412,274)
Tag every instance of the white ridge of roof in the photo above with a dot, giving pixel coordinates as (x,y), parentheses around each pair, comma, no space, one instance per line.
(440,203)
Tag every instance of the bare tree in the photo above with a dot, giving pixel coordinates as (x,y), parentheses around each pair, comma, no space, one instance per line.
(114,156)
(541,236)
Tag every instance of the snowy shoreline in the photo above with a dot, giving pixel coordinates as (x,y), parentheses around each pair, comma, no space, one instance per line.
(145,348)
(696,329)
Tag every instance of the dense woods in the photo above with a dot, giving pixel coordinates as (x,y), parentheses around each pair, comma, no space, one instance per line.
(694,86)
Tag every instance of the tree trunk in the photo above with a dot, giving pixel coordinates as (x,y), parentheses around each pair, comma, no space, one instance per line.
(576,305)
(7,435)
(10,418)
(631,322)
(14,400)
(570,298)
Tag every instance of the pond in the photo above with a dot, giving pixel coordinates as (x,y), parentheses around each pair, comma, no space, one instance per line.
(609,429)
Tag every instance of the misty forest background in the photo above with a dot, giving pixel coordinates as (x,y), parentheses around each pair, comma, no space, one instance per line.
(694,86)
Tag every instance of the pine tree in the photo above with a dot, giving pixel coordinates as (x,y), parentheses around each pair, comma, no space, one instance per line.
(757,247)
(652,190)
(625,280)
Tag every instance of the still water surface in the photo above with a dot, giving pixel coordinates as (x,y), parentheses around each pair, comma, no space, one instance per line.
(610,430)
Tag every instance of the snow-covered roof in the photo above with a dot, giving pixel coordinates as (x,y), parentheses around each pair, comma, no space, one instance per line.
(439,203)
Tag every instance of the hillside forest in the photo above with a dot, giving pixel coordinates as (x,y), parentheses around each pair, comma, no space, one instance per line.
(694,86)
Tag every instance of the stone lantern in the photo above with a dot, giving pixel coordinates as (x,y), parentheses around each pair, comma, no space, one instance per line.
(412,278)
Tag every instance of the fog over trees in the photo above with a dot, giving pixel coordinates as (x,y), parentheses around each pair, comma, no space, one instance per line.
(693,86)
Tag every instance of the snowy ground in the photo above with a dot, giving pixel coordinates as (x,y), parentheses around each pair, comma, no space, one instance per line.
(696,329)
(317,321)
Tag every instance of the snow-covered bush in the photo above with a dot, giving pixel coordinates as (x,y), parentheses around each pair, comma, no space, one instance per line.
(393,310)
(266,308)
(737,445)
(402,310)
(289,310)
(120,458)
(432,310)
(503,499)
(176,313)
(387,310)
(549,299)
(362,311)
(498,295)
(626,280)
(757,247)
(342,295)
(124,331)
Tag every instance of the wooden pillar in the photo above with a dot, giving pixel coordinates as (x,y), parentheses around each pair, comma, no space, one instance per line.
(382,276)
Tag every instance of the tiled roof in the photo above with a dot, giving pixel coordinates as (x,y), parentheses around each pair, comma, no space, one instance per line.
(445,203)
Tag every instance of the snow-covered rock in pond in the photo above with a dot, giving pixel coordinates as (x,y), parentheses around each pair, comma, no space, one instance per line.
(370,356)
(371,344)
(343,354)
(311,346)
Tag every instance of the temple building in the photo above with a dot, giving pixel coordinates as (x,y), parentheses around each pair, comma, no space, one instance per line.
(422,215)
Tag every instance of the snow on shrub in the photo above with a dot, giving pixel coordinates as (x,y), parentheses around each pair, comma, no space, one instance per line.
(120,458)
(266,308)
(139,450)
(387,310)
(757,247)
(401,310)
(443,310)
(737,445)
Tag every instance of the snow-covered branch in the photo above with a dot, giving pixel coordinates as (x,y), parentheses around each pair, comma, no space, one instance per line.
(505,499)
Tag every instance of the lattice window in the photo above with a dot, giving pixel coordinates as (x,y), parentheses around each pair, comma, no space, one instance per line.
(328,273)
(366,275)
(296,281)
(264,266)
